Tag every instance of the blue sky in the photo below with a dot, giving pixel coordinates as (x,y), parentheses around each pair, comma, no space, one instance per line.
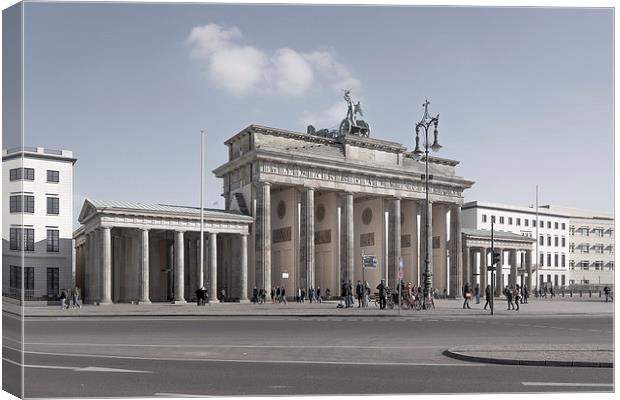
(525,94)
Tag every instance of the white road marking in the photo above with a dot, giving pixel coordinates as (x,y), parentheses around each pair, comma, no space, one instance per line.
(223,360)
(179,395)
(259,346)
(89,369)
(575,384)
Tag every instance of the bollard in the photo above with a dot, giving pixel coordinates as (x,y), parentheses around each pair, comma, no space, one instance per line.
(571,293)
(599,293)
(562,293)
(590,293)
(580,293)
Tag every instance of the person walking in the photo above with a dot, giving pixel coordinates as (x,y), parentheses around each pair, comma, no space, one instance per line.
(254,295)
(606,290)
(477,293)
(517,297)
(350,293)
(273,295)
(77,297)
(508,294)
(283,294)
(63,299)
(318,294)
(366,294)
(382,294)
(359,292)
(487,297)
(278,295)
(466,296)
(526,294)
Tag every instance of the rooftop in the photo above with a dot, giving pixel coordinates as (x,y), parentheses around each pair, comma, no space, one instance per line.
(496,234)
(38,152)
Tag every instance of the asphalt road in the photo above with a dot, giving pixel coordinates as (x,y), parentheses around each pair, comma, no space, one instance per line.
(87,357)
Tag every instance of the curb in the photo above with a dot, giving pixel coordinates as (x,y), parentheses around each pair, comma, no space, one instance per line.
(539,363)
(203,315)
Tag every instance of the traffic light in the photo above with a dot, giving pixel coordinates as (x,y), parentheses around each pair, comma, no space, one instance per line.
(495,258)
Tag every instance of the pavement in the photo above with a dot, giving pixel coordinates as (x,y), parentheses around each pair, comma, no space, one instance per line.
(294,349)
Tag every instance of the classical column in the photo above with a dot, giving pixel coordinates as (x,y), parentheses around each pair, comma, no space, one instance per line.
(262,236)
(512,259)
(106,266)
(394,249)
(212,266)
(179,268)
(144,267)
(482,267)
(347,256)
(528,268)
(309,236)
(244,268)
(456,254)
(88,267)
(498,273)
(193,270)
(467,275)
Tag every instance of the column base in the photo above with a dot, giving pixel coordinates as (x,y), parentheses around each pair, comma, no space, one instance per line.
(244,301)
(104,302)
(179,302)
(147,301)
(213,300)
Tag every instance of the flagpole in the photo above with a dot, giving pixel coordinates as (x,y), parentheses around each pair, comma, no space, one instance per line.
(202,234)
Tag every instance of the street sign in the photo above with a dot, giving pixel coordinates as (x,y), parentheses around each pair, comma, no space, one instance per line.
(490,268)
(401,272)
(369,261)
(284,275)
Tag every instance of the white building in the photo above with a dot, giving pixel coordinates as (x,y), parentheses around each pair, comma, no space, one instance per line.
(591,246)
(37,210)
(552,236)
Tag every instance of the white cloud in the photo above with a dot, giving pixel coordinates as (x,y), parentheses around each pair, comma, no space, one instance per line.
(240,68)
(327,118)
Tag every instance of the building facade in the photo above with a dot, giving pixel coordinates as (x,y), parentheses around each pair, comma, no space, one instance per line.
(37,187)
(319,203)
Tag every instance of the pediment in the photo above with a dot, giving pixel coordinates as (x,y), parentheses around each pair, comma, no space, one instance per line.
(88,209)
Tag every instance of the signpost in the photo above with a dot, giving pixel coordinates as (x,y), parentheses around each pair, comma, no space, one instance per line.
(368,261)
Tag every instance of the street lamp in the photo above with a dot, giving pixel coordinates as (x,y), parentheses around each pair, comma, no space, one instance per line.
(425,124)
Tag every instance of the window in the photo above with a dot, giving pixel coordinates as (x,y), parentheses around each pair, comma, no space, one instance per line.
(556,259)
(555,280)
(563,226)
(571,248)
(15,203)
(571,264)
(52,205)
(563,261)
(518,221)
(493,218)
(527,222)
(501,220)
(53,176)
(548,240)
(548,224)
(15,280)
(53,245)
(549,278)
(484,218)
(611,233)
(16,238)
(598,265)
(611,265)
(563,279)
(571,231)
(556,241)
(509,220)
(541,224)
(557,225)
(599,248)
(52,282)
(548,259)
(542,260)
(585,231)
(541,240)
(585,248)
(611,249)
(17,174)
(563,241)
(534,222)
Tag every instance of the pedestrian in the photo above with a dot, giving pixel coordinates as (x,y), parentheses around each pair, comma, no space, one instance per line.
(278,295)
(283,294)
(63,299)
(366,294)
(466,296)
(508,294)
(359,292)
(552,292)
(222,295)
(382,294)
(526,294)
(477,293)
(318,294)
(487,297)
(272,293)
(350,293)
(303,295)
(199,296)
(254,295)
(311,294)
(606,290)
(517,296)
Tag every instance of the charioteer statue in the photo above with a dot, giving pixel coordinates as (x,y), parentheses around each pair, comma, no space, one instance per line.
(351,125)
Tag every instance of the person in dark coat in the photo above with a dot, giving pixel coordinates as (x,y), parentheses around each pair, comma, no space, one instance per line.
(200,293)
(382,294)
(487,297)
(283,295)
(359,292)
(477,293)
(466,296)
(254,295)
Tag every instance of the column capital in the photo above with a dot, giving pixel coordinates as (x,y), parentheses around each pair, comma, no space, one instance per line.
(144,229)
(263,183)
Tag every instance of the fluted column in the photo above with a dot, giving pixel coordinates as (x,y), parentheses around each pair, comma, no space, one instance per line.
(179,268)
(88,267)
(144,268)
(482,267)
(106,266)
(212,266)
(512,260)
(347,256)
(262,236)
(309,237)
(193,269)
(244,268)
(394,245)
(528,268)
(456,254)
(467,275)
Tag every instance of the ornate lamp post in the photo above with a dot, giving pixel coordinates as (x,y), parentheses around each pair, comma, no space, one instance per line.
(425,125)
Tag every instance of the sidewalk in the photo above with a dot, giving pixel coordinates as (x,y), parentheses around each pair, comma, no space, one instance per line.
(447,308)
(582,355)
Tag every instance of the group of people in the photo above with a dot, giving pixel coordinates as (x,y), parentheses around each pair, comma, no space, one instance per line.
(515,295)
(71,298)
(278,295)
